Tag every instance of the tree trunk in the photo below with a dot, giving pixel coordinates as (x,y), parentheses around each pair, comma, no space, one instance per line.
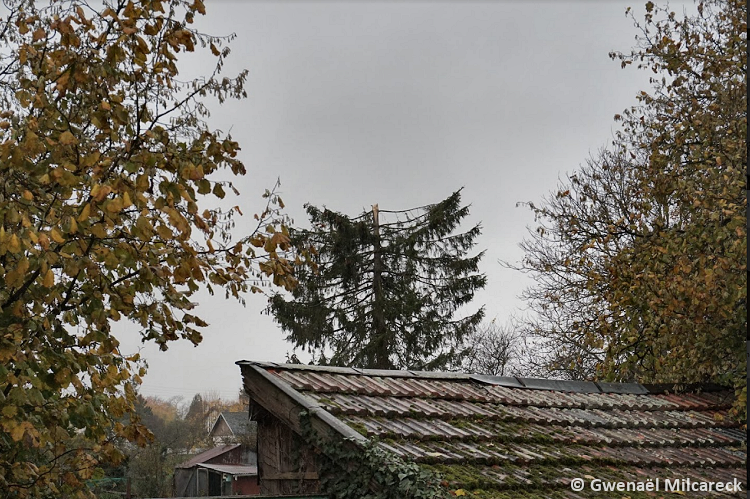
(380,332)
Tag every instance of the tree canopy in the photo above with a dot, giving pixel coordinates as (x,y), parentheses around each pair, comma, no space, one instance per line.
(180,431)
(108,194)
(494,350)
(385,292)
(640,256)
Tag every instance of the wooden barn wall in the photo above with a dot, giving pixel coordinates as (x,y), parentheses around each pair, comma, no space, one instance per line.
(184,482)
(286,465)
(234,456)
(191,482)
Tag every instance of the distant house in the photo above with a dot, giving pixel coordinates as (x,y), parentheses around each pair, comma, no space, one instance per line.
(225,470)
(488,436)
(232,428)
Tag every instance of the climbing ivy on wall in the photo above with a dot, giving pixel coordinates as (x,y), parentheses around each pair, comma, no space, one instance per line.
(354,470)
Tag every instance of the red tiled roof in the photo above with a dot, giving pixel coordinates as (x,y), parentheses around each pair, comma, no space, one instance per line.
(498,433)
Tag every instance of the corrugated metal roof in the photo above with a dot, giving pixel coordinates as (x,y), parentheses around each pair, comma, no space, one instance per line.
(207,455)
(232,469)
(519,433)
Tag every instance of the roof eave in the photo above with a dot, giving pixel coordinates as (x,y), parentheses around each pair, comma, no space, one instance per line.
(286,403)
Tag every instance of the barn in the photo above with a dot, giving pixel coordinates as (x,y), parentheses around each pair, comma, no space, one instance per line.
(221,471)
(347,432)
(234,427)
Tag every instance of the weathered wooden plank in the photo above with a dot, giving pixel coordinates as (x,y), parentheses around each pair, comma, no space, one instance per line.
(285,403)
(282,453)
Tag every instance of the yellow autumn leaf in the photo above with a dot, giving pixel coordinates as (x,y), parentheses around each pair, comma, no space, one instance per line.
(43,241)
(198,5)
(67,139)
(91,159)
(164,232)
(49,279)
(99,192)
(85,212)
(17,432)
(460,492)
(14,245)
(56,236)
(98,230)
(114,205)
(62,81)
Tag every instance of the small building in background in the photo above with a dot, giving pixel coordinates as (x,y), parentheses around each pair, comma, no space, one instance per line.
(230,469)
(234,428)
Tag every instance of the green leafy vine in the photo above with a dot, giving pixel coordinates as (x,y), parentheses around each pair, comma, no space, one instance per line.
(353,470)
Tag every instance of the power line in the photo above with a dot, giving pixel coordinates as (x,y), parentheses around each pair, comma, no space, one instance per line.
(161,390)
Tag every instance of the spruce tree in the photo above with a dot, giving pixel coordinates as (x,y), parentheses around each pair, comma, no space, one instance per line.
(386,289)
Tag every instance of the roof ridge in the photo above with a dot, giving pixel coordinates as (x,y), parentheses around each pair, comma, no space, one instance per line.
(207,454)
(525,437)
(576,386)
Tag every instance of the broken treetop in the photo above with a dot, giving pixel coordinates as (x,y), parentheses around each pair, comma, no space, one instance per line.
(499,433)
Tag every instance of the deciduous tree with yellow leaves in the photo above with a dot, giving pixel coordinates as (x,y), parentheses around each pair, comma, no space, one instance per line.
(108,212)
(640,257)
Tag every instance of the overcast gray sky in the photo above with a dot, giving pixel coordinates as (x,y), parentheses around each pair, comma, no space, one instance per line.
(356,103)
